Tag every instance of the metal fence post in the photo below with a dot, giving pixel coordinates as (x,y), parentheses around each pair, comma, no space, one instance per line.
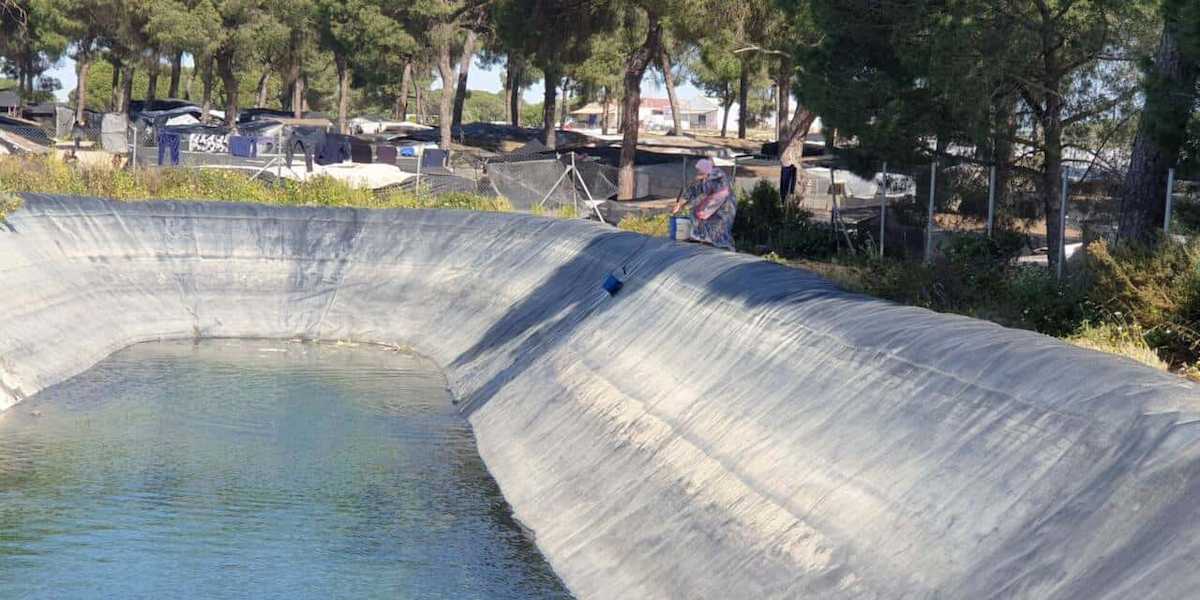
(1062,228)
(883,209)
(417,185)
(929,221)
(575,190)
(991,201)
(1170,195)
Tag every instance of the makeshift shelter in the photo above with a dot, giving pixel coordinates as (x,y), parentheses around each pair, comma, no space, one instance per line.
(180,115)
(64,118)
(533,180)
(10,103)
(271,136)
(11,143)
(859,188)
(41,113)
(29,130)
(114,133)
(260,114)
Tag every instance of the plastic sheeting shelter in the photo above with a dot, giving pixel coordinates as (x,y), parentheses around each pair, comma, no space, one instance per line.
(114,134)
(537,180)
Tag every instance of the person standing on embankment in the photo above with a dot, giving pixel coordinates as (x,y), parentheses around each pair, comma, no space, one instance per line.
(713,206)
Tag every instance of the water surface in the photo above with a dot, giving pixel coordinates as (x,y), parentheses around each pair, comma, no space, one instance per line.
(254,469)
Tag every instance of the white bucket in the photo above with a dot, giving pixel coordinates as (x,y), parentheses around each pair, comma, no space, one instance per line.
(681,229)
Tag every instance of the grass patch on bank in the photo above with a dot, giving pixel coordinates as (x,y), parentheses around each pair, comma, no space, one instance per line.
(53,176)
(8,204)
(1129,342)
(652,225)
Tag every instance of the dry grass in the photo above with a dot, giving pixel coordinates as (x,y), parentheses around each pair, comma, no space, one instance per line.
(52,175)
(1120,340)
(8,204)
(652,225)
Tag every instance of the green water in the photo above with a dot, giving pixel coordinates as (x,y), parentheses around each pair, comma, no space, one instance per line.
(254,469)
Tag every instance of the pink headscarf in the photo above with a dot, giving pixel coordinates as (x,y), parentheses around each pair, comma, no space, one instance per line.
(705,166)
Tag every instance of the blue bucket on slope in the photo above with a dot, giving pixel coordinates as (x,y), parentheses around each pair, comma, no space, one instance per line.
(612,285)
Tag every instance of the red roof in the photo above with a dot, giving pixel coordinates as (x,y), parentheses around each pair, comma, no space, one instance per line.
(656,103)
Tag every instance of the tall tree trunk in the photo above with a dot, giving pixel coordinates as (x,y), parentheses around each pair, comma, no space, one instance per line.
(114,97)
(206,79)
(229,80)
(176,72)
(126,87)
(1049,184)
(566,103)
(664,63)
(791,141)
(420,101)
(294,89)
(549,103)
(152,77)
(1052,176)
(298,94)
(517,69)
(743,98)
(343,74)
(464,69)
(727,103)
(635,69)
(84,62)
(604,112)
(1005,129)
(446,105)
(402,97)
(262,88)
(1162,131)
(783,106)
(508,91)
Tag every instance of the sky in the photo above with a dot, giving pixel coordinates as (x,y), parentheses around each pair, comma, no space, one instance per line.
(488,80)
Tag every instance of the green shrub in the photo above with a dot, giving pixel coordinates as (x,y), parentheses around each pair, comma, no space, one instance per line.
(1034,299)
(764,225)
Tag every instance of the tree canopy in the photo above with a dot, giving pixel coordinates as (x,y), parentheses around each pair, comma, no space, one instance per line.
(1027,86)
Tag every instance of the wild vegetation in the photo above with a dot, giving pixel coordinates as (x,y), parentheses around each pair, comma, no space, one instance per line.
(50,175)
(1137,300)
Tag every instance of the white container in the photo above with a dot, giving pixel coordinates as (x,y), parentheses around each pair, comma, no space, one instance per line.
(681,229)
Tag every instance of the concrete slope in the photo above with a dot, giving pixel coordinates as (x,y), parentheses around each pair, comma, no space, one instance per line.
(722,428)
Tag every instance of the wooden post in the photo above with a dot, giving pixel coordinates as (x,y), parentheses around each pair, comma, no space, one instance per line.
(883,209)
(991,201)
(929,220)
(1062,227)
(1170,195)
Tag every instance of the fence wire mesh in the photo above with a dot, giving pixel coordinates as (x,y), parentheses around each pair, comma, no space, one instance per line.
(546,181)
